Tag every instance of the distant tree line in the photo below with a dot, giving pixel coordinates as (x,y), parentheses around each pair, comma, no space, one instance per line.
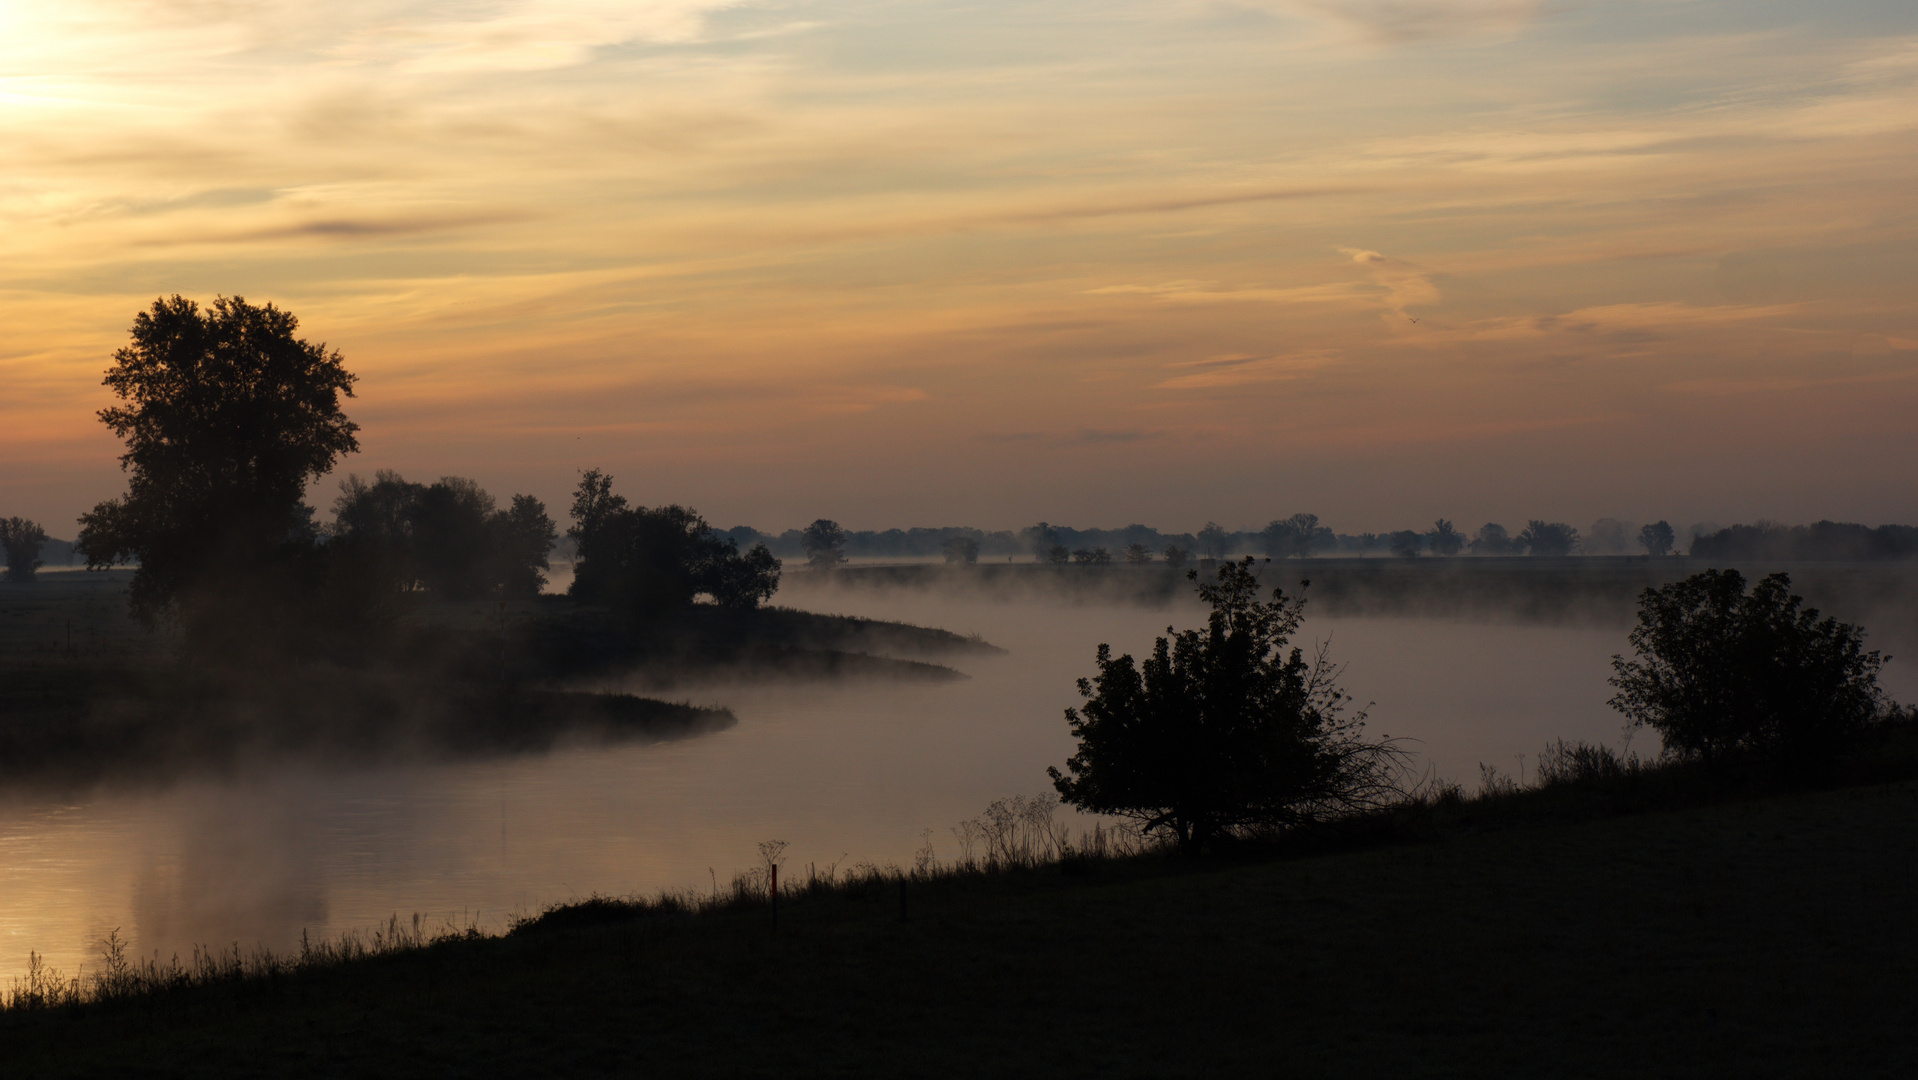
(1824,541)
(1296,537)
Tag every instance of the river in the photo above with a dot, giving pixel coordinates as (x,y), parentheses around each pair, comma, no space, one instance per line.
(845,773)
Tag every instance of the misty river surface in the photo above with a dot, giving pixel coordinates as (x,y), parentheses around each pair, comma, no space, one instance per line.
(845,773)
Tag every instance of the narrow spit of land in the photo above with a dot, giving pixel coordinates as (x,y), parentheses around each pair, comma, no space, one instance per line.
(87,696)
(1767,937)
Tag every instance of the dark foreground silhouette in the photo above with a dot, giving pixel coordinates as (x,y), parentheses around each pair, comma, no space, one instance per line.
(1617,921)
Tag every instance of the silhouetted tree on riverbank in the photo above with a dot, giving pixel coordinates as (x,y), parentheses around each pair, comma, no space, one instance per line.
(22,540)
(825,544)
(1224,729)
(1718,670)
(962,549)
(1657,538)
(1547,538)
(1492,539)
(449,537)
(226,415)
(654,561)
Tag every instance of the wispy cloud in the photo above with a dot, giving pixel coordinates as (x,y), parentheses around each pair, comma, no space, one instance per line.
(1223,371)
(1397,21)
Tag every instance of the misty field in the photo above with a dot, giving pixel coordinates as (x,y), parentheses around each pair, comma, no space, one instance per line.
(1768,937)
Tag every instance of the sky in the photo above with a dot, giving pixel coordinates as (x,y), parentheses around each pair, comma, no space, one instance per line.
(904,263)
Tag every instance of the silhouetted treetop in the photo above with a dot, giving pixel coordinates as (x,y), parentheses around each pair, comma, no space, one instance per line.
(1547,538)
(449,537)
(1223,728)
(22,541)
(825,544)
(226,415)
(651,561)
(1717,670)
(1492,539)
(1657,538)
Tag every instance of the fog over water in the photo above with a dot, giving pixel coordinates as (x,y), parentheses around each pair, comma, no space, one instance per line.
(845,772)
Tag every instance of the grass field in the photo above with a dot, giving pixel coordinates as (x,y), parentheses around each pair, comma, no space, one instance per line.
(1771,937)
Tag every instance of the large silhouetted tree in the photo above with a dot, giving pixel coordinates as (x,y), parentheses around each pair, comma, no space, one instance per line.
(226,414)
(1547,538)
(22,540)
(1657,538)
(654,561)
(1291,537)
(1406,543)
(961,549)
(825,544)
(1444,539)
(1223,728)
(1213,540)
(1717,670)
(1492,539)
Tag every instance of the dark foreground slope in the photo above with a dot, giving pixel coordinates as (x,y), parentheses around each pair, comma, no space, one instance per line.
(1772,937)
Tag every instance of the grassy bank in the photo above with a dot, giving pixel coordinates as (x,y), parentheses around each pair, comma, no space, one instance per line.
(1576,930)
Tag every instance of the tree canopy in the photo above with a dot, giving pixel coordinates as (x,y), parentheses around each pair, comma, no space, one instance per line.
(1657,538)
(22,541)
(657,560)
(1547,538)
(1718,670)
(1444,539)
(226,414)
(449,537)
(825,544)
(1223,728)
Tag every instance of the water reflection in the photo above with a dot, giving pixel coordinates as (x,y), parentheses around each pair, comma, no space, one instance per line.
(844,772)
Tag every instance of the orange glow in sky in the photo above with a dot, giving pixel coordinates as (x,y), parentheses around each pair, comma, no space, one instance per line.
(916,263)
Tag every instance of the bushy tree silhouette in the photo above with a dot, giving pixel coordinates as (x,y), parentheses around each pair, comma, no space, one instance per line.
(226,415)
(1406,543)
(825,544)
(1718,670)
(1547,538)
(448,537)
(1213,540)
(1492,539)
(1444,539)
(1291,537)
(1223,728)
(654,561)
(961,549)
(22,540)
(1657,538)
